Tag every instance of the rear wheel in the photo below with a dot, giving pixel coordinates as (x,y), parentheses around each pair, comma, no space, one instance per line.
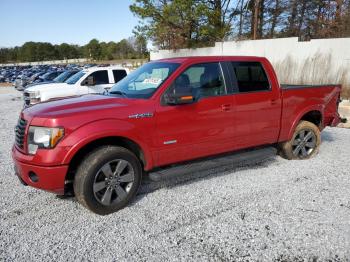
(305,142)
(107,179)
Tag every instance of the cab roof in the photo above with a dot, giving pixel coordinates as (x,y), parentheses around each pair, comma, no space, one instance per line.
(209,58)
(94,68)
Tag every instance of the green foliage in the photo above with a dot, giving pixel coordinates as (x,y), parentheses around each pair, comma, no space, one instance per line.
(174,24)
(36,51)
(93,49)
(183,23)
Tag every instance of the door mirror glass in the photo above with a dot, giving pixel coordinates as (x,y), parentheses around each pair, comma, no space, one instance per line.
(180,92)
(179,99)
(89,81)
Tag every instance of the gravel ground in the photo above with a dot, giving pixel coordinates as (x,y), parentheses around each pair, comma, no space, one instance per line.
(277,210)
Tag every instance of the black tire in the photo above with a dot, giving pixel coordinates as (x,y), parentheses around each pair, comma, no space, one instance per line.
(96,169)
(298,145)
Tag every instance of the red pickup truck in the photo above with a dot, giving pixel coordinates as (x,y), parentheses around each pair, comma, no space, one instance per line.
(164,113)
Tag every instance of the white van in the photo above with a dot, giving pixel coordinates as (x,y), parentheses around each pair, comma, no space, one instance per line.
(94,80)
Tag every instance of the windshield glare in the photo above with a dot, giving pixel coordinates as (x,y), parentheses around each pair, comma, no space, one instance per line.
(74,78)
(46,75)
(144,81)
(61,77)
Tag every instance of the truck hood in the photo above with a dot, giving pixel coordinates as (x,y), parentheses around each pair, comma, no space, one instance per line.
(45,87)
(42,83)
(87,104)
(74,112)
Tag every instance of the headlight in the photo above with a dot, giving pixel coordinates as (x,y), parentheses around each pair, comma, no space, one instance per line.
(43,137)
(34,97)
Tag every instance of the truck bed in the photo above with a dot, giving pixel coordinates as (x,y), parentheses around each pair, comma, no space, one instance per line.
(296,102)
(289,86)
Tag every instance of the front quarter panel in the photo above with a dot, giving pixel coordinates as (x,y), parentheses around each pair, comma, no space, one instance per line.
(107,128)
(62,91)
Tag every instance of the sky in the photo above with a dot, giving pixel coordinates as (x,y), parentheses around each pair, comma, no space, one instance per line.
(64,21)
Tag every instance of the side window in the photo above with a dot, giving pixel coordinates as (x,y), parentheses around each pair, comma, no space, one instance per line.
(251,77)
(202,80)
(118,75)
(100,77)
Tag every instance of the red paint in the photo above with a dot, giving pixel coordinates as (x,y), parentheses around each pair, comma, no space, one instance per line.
(210,126)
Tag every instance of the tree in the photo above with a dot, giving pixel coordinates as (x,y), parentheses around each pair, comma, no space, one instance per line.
(184,23)
(141,45)
(93,49)
(125,50)
(66,51)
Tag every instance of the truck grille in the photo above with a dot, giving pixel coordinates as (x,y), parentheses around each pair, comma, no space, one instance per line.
(20,132)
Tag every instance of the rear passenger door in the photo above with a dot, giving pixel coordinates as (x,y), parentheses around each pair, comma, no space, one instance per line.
(257,105)
(118,74)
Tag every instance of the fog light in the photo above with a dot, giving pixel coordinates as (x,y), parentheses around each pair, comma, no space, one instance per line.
(33,177)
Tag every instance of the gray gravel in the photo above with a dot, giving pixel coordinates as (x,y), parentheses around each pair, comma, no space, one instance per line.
(276,210)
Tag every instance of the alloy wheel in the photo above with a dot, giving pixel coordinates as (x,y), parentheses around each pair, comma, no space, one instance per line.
(113,182)
(304,143)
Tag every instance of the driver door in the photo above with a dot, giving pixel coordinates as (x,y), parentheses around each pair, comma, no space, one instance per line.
(97,82)
(199,129)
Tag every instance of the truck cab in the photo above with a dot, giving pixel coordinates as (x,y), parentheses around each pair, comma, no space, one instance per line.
(94,80)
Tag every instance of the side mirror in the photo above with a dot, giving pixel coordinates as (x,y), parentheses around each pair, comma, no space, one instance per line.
(179,99)
(89,81)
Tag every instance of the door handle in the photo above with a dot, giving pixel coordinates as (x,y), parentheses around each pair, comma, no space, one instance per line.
(226,107)
(274,101)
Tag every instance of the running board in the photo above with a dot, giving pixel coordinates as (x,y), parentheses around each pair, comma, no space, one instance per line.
(236,159)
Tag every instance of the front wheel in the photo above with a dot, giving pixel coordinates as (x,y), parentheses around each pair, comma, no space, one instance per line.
(107,179)
(304,144)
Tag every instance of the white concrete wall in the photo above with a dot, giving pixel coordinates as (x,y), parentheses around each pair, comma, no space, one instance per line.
(56,62)
(319,61)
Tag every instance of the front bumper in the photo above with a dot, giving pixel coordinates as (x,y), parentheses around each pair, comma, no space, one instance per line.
(49,178)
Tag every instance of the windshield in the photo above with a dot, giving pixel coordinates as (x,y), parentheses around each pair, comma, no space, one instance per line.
(144,81)
(46,75)
(61,77)
(74,78)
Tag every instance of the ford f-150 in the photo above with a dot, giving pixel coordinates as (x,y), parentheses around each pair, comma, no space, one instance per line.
(166,112)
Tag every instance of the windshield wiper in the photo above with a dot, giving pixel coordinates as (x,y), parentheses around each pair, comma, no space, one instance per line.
(117,93)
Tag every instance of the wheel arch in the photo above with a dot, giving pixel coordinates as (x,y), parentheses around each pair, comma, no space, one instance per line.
(89,146)
(312,114)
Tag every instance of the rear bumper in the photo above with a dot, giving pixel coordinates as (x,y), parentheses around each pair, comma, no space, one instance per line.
(51,179)
(335,121)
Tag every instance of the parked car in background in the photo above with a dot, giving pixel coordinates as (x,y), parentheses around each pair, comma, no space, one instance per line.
(94,80)
(49,76)
(62,77)
(36,76)
(65,75)
(166,112)
(22,80)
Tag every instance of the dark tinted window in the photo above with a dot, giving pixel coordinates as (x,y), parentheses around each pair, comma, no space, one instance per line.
(100,77)
(202,80)
(250,77)
(118,75)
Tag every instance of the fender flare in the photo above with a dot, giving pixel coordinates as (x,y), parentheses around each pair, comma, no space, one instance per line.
(318,107)
(92,131)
